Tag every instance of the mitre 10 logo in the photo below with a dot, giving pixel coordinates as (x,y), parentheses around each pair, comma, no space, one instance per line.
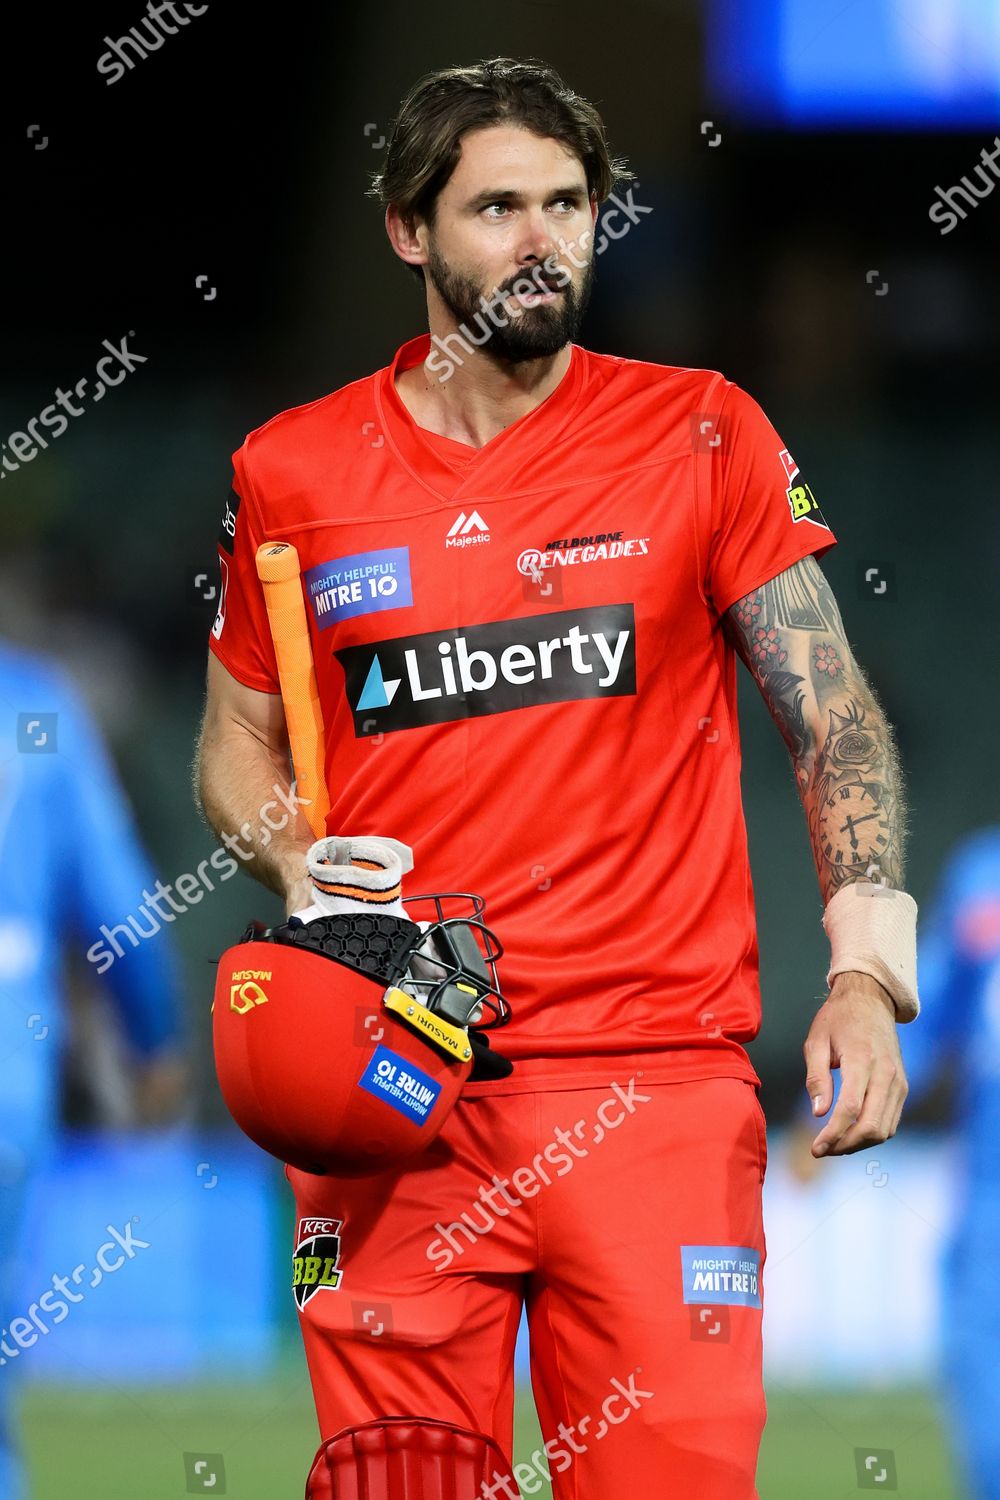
(465,673)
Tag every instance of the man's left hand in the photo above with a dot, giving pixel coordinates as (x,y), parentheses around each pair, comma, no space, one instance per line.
(855,1030)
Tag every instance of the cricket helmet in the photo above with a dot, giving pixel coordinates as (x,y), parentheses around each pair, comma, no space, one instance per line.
(342,1043)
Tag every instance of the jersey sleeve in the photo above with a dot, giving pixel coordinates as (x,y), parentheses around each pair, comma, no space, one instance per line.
(102,866)
(764,517)
(240,636)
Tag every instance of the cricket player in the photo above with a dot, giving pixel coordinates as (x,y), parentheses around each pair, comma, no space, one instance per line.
(529,571)
(70,862)
(959,960)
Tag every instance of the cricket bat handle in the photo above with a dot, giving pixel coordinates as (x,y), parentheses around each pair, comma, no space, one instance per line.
(281,578)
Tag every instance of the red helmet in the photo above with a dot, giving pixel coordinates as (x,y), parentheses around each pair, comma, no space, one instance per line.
(342,1043)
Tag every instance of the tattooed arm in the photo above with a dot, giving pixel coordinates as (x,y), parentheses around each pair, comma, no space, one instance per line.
(791,637)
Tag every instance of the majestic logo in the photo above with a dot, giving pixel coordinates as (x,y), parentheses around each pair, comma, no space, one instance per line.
(567,551)
(227,531)
(801,501)
(468,531)
(316,1259)
(443,676)
(359,585)
(401,1084)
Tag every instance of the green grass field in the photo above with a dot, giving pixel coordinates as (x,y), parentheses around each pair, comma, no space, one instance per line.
(130,1445)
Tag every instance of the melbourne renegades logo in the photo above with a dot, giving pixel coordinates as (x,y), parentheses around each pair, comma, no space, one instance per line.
(316,1259)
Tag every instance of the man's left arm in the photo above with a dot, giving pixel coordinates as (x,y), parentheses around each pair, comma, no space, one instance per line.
(790,635)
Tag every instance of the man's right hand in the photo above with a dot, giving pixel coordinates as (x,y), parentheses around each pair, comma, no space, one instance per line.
(299,889)
(242,768)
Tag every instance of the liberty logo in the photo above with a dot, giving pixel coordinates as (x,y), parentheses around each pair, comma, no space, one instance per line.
(443,676)
(377,692)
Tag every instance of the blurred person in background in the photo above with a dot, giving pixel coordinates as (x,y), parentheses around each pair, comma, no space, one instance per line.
(958,962)
(70,863)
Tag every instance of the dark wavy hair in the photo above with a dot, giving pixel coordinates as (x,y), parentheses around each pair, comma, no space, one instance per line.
(425,141)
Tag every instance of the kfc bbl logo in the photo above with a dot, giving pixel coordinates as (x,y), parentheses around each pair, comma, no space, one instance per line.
(316,1259)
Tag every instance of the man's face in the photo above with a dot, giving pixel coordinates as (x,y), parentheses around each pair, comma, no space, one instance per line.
(512,215)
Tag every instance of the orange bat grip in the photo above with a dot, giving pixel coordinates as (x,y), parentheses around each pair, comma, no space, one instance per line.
(279,573)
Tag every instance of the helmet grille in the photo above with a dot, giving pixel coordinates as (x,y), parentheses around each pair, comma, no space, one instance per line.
(376,944)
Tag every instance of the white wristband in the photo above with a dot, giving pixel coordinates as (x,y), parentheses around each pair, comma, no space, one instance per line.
(873,930)
(356,874)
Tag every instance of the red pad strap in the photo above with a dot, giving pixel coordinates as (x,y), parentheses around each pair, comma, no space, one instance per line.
(407,1458)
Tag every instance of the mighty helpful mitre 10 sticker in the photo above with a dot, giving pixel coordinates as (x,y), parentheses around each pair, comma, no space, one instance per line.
(400,1083)
(721,1275)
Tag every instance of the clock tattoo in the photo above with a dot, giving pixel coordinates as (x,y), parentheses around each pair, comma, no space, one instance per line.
(853,827)
(854,812)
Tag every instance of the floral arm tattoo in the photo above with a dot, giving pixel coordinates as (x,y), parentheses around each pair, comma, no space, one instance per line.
(791,637)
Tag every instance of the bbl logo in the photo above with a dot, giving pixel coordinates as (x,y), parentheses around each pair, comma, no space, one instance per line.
(801,501)
(316,1259)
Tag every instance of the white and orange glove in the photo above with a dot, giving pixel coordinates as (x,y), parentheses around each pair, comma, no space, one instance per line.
(356,874)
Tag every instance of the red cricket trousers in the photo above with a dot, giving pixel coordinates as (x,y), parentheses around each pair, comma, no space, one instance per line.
(626,1218)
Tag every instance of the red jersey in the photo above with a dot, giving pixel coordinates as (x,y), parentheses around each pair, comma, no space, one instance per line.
(524,676)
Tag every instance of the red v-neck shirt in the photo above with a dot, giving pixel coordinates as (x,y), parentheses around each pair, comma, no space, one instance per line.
(524,676)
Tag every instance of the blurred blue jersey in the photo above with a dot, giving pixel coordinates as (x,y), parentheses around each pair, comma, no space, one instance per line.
(958,979)
(958,974)
(70,861)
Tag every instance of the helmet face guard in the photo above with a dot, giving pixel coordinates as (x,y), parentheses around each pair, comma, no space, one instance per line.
(342,1044)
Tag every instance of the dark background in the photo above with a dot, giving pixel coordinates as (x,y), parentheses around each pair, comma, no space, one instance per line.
(239,151)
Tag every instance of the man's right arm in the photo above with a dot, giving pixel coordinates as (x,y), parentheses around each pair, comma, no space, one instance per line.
(241,770)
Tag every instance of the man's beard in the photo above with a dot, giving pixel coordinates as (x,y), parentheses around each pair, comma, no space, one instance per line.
(532,332)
